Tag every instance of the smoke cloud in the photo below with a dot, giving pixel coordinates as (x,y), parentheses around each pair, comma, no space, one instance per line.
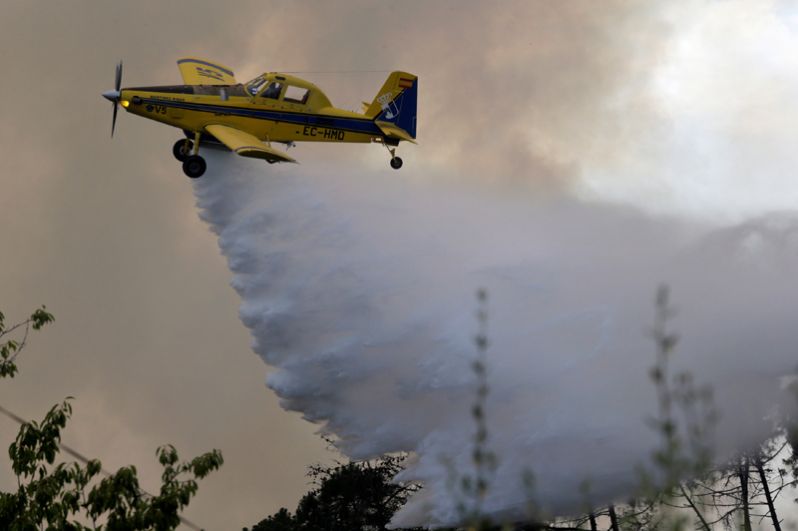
(360,291)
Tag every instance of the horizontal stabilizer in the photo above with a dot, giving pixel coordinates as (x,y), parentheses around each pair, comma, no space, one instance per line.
(395,131)
(246,145)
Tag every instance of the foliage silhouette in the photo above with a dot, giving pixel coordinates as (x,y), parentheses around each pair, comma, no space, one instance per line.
(70,495)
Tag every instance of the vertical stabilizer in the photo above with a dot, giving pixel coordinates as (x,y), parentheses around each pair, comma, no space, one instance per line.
(396,102)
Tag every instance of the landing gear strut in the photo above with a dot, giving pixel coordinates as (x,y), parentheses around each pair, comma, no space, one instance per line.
(396,162)
(187,152)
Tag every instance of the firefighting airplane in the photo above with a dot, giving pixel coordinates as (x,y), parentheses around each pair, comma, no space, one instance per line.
(213,108)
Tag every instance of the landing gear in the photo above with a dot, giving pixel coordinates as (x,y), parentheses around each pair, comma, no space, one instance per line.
(396,162)
(182,149)
(194,166)
(187,152)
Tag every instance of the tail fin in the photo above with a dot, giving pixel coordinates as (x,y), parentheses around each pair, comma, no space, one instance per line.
(396,102)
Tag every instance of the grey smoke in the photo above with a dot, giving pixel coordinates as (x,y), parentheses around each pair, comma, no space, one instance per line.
(359,289)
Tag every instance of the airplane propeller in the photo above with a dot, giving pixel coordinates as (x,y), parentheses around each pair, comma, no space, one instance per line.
(113,95)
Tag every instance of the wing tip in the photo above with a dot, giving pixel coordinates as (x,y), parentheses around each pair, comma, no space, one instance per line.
(214,64)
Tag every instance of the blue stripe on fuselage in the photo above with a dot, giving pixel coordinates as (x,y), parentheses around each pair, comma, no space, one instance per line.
(354,125)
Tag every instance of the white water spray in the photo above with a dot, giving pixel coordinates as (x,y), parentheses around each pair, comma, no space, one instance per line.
(360,289)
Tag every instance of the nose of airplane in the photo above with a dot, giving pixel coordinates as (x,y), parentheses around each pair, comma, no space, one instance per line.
(111,95)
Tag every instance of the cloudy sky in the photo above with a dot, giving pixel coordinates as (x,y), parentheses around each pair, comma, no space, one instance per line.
(679,108)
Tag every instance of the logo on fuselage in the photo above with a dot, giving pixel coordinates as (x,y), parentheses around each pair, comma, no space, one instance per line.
(157,109)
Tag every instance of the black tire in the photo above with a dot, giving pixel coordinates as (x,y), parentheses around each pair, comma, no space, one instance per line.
(194,166)
(396,163)
(182,149)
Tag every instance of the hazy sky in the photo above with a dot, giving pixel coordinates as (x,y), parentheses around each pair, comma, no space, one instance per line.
(578,96)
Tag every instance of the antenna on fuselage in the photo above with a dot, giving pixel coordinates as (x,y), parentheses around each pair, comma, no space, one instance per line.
(335,71)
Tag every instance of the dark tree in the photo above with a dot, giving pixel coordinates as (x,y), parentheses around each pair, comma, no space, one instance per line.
(355,495)
(282,520)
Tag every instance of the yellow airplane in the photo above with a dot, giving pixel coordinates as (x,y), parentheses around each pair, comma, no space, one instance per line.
(212,108)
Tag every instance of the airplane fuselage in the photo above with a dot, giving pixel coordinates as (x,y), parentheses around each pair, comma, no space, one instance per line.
(194,107)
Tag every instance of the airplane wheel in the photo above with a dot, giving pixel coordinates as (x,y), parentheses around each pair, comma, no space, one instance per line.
(396,163)
(194,166)
(182,149)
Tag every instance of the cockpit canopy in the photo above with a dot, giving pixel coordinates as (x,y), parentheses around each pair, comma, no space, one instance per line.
(286,88)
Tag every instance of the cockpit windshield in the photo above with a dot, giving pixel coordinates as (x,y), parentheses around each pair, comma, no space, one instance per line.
(254,86)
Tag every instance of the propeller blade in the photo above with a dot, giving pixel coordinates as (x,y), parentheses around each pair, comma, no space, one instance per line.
(118,79)
(113,95)
(113,120)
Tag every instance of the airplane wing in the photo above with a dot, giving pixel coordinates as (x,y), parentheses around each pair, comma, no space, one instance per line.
(390,129)
(200,72)
(246,145)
